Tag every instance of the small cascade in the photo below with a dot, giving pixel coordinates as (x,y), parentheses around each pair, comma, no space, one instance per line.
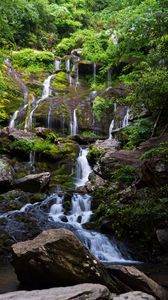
(77,75)
(12,122)
(74,123)
(100,246)
(32,158)
(111,130)
(45,94)
(49,117)
(57,64)
(94,72)
(115,107)
(126,119)
(82,169)
(26,95)
(68,65)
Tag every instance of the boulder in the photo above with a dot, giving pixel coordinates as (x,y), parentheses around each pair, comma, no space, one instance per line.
(33,183)
(81,291)
(6,175)
(134,296)
(136,280)
(162,235)
(57,258)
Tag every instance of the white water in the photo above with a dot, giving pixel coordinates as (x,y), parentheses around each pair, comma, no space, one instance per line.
(98,244)
(49,117)
(57,65)
(111,130)
(32,158)
(12,122)
(74,123)
(126,119)
(68,65)
(45,94)
(82,168)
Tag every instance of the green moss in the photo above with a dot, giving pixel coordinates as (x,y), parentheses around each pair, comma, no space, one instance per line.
(125,174)
(94,154)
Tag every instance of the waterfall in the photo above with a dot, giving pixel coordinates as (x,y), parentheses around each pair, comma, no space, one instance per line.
(82,169)
(111,130)
(77,75)
(94,72)
(68,65)
(126,119)
(49,118)
(45,94)
(115,107)
(12,122)
(100,246)
(32,157)
(73,124)
(57,64)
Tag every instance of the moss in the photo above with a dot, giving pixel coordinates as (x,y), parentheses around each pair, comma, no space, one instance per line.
(159,151)
(94,154)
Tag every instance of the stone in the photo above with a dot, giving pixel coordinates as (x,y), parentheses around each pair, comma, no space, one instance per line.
(6,176)
(137,280)
(33,183)
(78,292)
(134,296)
(57,258)
(162,236)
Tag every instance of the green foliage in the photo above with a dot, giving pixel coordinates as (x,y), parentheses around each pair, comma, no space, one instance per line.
(124,174)
(132,136)
(33,60)
(101,106)
(162,149)
(94,154)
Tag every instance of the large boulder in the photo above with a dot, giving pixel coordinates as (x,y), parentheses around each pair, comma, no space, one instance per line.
(57,258)
(81,291)
(33,183)
(138,281)
(6,175)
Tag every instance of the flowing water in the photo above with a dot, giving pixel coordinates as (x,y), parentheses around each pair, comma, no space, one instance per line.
(73,123)
(126,119)
(111,130)
(12,122)
(82,168)
(45,94)
(57,64)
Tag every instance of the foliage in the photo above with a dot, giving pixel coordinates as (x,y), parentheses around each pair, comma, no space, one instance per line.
(94,154)
(101,106)
(33,59)
(124,174)
(162,149)
(132,136)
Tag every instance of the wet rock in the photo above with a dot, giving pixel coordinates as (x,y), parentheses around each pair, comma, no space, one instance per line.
(134,296)
(137,280)
(42,131)
(57,258)
(16,134)
(82,291)
(162,235)
(6,175)
(33,182)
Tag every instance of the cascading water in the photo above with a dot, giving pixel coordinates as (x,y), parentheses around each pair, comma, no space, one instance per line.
(68,65)
(74,123)
(57,64)
(45,94)
(111,130)
(12,122)
(82,168)
(49,118)
(126,119)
